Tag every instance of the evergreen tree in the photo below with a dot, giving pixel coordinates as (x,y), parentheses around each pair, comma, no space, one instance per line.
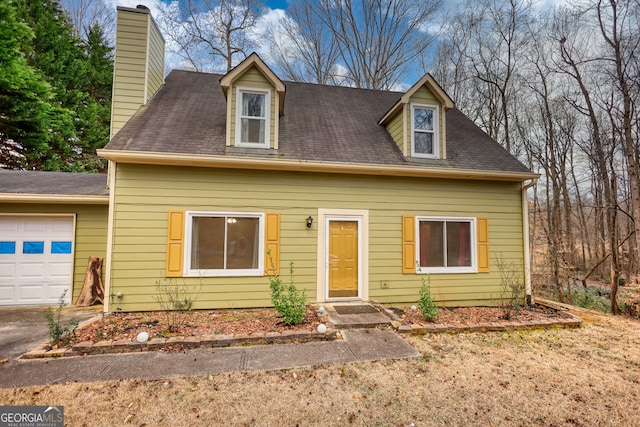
(25,108)
(94,131)
(76,71)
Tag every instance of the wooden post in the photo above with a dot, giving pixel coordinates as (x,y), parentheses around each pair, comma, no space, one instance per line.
(92,290)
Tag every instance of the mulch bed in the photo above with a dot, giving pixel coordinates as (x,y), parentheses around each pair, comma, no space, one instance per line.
(126,326)
(465,315)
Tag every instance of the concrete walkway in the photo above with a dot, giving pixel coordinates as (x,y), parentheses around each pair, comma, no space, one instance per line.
(357,345)
(22,328)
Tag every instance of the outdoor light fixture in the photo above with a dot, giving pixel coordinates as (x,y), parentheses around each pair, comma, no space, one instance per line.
(309,221)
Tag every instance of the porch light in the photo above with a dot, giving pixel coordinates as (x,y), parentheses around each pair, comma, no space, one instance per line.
(309,221)
(231,220)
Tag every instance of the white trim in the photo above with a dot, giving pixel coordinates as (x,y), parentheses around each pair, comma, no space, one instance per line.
(229,117)
(53,198)
(449,270)
(525,236)
(436,131)
(258,163)
(267,119)
(107,274)
(324,216)
(405,141)
(146,63)
(188,272)
(276,121)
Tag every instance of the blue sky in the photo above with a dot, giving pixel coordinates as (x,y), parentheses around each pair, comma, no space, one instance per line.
(278,8)
(278,4)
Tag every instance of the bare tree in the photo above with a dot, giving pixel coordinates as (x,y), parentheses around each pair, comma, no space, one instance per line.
(619,23)
(85,14)
(601,148)
(211,35)
(302,47)
(481,58)
(378,40)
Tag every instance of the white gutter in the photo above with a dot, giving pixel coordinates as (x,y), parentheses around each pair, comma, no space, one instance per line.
(525,236)
(281,164)
(106,305)
(53,198)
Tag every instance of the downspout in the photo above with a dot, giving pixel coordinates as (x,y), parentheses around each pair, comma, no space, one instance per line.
(525,235)
(107,275)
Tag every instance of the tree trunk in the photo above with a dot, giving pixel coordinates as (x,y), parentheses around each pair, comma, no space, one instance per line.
(92,291)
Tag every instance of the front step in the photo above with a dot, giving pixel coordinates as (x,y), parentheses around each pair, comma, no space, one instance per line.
(355,316)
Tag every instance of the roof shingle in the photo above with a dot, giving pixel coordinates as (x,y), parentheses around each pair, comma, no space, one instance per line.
(53,183)
(319,123)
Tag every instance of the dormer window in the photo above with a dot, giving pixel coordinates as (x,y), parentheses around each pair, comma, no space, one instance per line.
(424,131)
(252,117)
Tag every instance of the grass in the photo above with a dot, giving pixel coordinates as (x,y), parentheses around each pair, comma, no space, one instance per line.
(588,376)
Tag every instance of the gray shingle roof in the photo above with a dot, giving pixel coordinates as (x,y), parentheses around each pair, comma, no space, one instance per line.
(53,183)
(319,123)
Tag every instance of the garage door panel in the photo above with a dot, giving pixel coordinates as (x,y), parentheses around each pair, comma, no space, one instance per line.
(7,270)
(8,226)
(36,259)
(31,292)
(55,291)
(58,270)
(33,225)
(7,293)
(62,226)
(31,271)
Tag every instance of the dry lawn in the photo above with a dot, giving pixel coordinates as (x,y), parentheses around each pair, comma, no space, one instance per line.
(584,377)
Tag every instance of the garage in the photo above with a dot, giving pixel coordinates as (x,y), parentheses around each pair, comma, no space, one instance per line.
(36,259)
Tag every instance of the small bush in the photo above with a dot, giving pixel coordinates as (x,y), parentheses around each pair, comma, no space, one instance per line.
(176,301)
(591,299)
(427,306)
(512,287)
(289,302)
(59,333)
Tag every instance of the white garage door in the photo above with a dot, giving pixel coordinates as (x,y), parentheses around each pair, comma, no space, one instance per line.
(36,259)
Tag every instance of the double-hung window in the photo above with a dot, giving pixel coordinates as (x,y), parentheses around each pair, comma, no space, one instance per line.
(424,131)
(252,119)
(446,245)
(224,244)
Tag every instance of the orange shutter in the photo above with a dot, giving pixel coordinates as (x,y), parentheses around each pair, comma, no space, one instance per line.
(408,244)
(272,244)
(175,244)
(483,245)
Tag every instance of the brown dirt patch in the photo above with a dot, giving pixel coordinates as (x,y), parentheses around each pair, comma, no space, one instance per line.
(588,376)
(459,316)
(126,326)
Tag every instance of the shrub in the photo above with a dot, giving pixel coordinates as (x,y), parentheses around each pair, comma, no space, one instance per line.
(176,301)
(427,306)
(58,333)
(591,299)
(512,287)
(289,302)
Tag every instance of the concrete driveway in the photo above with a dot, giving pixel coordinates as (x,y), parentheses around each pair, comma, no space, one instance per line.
(22,328)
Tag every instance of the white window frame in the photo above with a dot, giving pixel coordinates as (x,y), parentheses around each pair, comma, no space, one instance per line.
(435,132)
(473,268)
(189,272)
(267,127)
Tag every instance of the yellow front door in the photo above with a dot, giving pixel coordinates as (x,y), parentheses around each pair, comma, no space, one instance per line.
(343,259)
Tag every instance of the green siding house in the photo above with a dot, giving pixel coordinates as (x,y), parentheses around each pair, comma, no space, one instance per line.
(217,181)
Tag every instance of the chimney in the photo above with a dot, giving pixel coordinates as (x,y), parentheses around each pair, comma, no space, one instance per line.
(138,66)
